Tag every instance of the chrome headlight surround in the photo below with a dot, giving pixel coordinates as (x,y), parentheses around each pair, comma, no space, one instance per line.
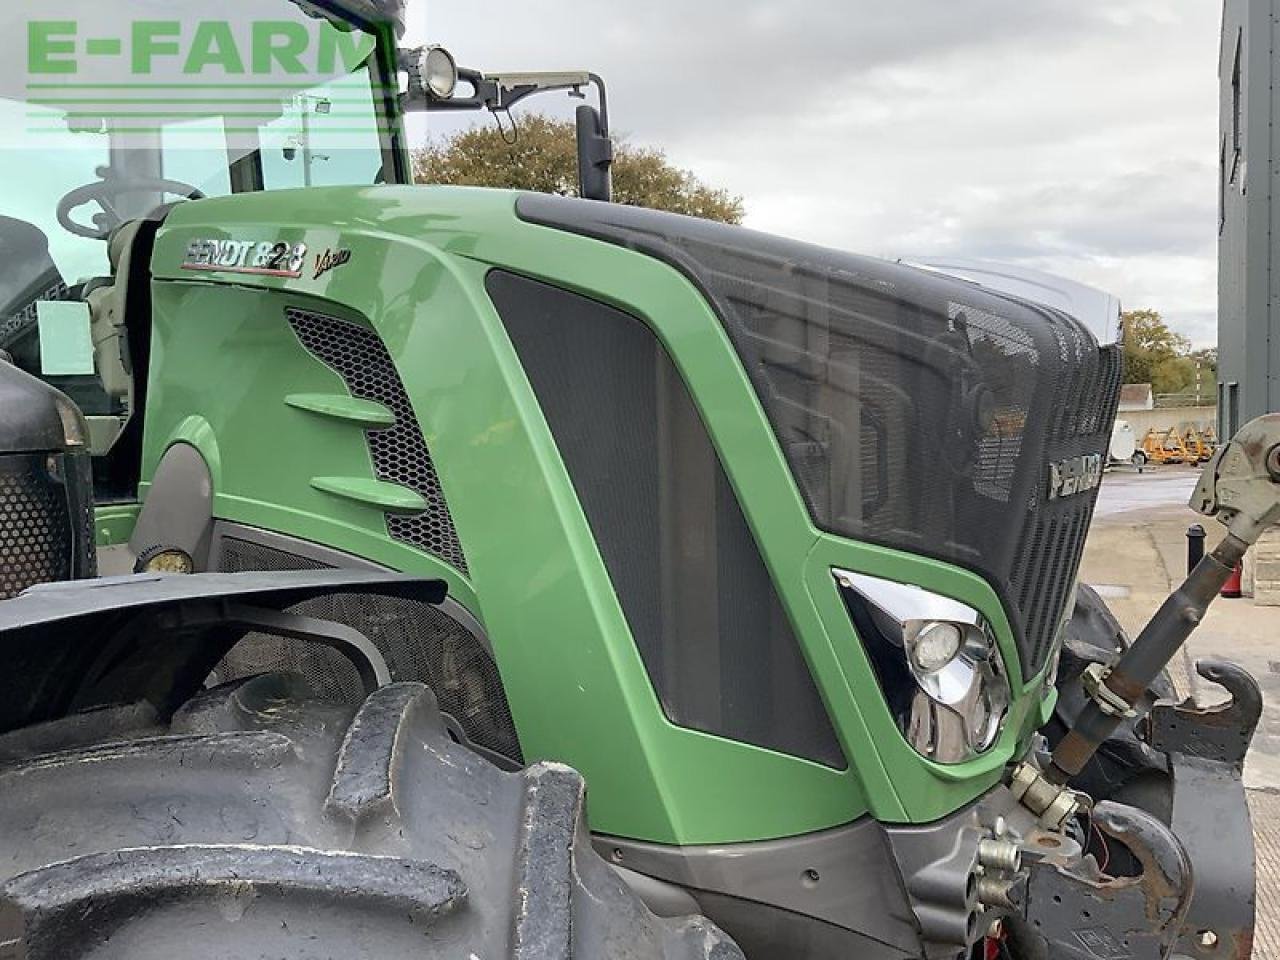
(937,662)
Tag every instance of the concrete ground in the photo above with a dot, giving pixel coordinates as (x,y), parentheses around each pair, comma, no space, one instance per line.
(1136,553)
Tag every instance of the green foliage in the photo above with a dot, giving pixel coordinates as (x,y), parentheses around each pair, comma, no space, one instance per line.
(1155,354)
(1205,362)
(544,159)
(1207,357)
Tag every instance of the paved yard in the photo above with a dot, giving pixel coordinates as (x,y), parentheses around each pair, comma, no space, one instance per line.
(1136,553)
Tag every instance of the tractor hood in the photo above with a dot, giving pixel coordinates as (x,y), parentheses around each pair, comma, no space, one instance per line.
(918,412)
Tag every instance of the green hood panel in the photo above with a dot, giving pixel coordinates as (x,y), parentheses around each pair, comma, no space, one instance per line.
(225,365)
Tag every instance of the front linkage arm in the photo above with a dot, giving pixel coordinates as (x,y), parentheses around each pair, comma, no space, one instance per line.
(1153,906)
(1240,485)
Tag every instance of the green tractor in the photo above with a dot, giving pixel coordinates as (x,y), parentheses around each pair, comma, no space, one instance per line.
(775,545)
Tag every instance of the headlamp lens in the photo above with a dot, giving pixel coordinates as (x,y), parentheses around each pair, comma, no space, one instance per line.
(935,645)
(937,664)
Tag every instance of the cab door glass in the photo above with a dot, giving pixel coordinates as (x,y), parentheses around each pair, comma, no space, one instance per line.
(40,260)
(38,256)
(327,136)
(189,155)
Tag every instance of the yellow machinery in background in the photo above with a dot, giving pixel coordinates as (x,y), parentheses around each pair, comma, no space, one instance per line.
(1165,447)
(1199,444)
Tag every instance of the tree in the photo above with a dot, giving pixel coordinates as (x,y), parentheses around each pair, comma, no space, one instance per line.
(1204,379)
(1155,354)
(544,159)
(1207,357)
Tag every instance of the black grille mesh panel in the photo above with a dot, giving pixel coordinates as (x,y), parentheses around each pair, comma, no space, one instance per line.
(700,604)
(35,532)
(419,642)
(916,411)
(46,534)
(1052,541)
(399,452)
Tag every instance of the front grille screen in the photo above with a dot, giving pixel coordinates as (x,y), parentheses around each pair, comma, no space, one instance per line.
(419,642)
(715,640)
(399,452)
(916,411)
(45,534)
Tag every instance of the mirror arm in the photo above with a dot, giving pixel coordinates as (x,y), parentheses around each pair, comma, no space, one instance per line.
(603,98)
(490,93)
(495,92)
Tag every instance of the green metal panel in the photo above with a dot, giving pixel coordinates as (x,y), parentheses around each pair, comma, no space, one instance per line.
(224,364)
(114,522)
(578,689)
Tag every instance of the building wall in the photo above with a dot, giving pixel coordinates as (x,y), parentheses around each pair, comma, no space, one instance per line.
(1248,298)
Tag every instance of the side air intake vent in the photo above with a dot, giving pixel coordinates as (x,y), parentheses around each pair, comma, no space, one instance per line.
(702,609)
(419,641)
(399,452)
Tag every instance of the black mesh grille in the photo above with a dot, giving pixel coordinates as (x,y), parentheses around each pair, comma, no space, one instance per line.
(701,606)
(399,452)
(1052,542)
(35,534)
(44,535)
(915,410)
(419,641)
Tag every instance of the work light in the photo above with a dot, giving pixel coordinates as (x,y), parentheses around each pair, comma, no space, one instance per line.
(937,663)
(439,71)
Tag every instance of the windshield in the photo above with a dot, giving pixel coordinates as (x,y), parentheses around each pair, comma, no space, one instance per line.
(263,98)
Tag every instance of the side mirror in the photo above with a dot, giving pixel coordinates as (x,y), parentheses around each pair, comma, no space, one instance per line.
(595,155)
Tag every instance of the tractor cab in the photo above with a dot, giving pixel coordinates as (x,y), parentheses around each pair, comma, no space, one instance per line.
(313,97)
(307,102)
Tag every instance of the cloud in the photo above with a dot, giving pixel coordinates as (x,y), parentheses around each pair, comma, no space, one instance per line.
(1078,135)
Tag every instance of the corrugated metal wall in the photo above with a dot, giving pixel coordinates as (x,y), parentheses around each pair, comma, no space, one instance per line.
(1248,293)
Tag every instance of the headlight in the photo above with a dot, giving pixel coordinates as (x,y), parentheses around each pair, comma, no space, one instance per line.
(164,560)
(439,71)
(937,663)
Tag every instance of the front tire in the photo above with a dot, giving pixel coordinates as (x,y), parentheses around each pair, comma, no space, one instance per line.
(265,823)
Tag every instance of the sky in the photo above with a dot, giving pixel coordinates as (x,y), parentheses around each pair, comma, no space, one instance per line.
(1079,138)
